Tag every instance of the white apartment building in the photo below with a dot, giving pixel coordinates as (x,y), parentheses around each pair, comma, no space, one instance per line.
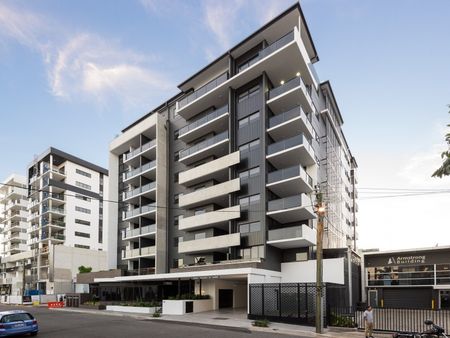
(65,209)
(13,239)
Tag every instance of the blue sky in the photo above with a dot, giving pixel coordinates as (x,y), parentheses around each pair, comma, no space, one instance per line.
(74,73)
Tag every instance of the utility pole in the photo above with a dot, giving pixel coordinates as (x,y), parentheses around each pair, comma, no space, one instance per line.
(320,212)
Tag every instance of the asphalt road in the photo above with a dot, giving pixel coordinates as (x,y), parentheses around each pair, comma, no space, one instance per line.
(61,324)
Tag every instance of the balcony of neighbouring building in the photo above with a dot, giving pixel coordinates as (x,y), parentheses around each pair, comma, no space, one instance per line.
(213,122)
(216,169)
(16,205)
(289,94)
(147,231)
(148,190)
(292,237)
(289,124)
(216,145)
(54,237)
(58,173)
(148,149)
(217,194)
(289,181)
(59,224)
(281,59)
(148,251)
(214,244)
(57,199)
(209,219)
(147,170)
(53,211)
(15,216)
(291,209)
(296,150)
(145,211)
(18,237)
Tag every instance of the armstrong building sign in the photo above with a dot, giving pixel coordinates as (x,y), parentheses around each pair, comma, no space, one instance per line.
(401,260)
(419,257)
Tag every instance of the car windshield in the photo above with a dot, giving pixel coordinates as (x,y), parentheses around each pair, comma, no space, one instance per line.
(16,317)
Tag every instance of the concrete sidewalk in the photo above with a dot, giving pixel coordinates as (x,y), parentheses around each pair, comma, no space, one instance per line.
(235,322)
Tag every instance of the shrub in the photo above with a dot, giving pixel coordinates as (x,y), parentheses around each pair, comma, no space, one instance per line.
(342,321)
(261,323)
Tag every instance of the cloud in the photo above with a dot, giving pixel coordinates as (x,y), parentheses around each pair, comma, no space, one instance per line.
(88,66)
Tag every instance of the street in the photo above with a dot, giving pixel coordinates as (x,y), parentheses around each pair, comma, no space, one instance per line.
(59,324)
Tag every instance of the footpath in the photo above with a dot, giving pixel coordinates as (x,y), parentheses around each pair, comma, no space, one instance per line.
(234,323)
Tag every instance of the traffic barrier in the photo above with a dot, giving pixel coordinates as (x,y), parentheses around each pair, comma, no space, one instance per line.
(55,305)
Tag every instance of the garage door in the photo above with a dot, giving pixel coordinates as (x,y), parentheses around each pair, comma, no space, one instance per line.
(419,298)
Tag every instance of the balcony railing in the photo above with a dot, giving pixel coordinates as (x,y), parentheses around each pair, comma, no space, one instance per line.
(286,233)
(139,190)
(205,144)
(139,170)
(291,84)
(268,50)
(288,115)
(285,203)
(203,90)
(289,143)
(142,271)
(53,195)
(287,173)
(142,210)
(54,222)
(47,168)
(53,210)
(140,231)
(139,150)
(149,250)
(205,119)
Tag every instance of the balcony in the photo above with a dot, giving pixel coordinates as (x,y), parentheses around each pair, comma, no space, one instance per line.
(148,231)
(214,244)
(217,169)
(54,223)
(293,237)
(217,194)
(58,173)
(55,211)
(290,124)
(292,93)
(289,181)
(147,170)
(291,209)
(280,60)
(53,237)
(210,219)
(146,149)
(57,199)
(14,205)
(216,145)
(148,251)
(213,122)
(147,190)
(296,150)
(146,211)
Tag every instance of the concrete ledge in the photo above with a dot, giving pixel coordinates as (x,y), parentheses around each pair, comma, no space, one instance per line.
(131,309)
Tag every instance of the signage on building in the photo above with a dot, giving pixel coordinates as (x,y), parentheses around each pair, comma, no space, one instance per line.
(400,260)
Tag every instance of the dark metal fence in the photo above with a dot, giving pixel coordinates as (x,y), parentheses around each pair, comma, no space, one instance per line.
(285,302)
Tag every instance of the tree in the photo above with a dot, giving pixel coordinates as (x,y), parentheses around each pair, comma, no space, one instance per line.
(444,170)
(84,269)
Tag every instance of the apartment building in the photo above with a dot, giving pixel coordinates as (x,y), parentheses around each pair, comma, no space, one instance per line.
(66,219)
(216,186)
(13,239)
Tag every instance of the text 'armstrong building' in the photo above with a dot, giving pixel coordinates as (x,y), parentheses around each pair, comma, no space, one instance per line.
(216,186)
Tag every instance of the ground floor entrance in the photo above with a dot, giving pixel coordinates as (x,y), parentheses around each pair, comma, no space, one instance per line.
(225,298)
(444,299)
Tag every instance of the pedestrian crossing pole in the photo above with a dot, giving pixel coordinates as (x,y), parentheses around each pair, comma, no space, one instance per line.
(320,212)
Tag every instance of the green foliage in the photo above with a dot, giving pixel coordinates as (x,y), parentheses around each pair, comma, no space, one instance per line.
(141,303)
(156,314)
(84,269)
(342,321)
(444,170)
(261,323)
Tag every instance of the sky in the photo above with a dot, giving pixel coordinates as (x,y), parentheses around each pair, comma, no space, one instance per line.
(73,74)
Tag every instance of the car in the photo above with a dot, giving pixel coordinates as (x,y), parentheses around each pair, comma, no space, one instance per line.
(17,322)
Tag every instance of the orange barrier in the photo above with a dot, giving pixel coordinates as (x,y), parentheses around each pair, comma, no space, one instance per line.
(55,305)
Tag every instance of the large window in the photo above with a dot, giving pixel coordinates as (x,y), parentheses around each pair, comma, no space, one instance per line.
(249,146)
(83,173)
(83,210)
(83,185)
(83,222)
(248,93)
(253,199)
(249,119)
(82,234)
(244,175)
(400,275)
(252,252)
(249,227)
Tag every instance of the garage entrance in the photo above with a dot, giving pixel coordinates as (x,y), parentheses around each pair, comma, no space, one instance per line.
(225,298)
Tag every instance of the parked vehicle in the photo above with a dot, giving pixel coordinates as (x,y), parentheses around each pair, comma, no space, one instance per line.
(434,332)
(17,322)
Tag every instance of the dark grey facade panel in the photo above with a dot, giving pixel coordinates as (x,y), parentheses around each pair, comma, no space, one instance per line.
(75,189)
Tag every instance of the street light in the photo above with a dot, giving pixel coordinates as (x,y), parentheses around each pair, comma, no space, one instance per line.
(320,211)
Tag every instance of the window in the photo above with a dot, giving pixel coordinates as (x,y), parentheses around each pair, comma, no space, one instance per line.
(82,246)
(80,221)
(81,197)
(200,235)
(252,252)
(244,201)
(83,173)
(199,211)
(249,146)
(83,210)
(249,227)
(82,185)
(249,119)
(82,234)
(249,173)
(176,198)
(248,93)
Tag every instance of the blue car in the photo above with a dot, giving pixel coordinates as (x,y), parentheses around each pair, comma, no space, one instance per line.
(17,322)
